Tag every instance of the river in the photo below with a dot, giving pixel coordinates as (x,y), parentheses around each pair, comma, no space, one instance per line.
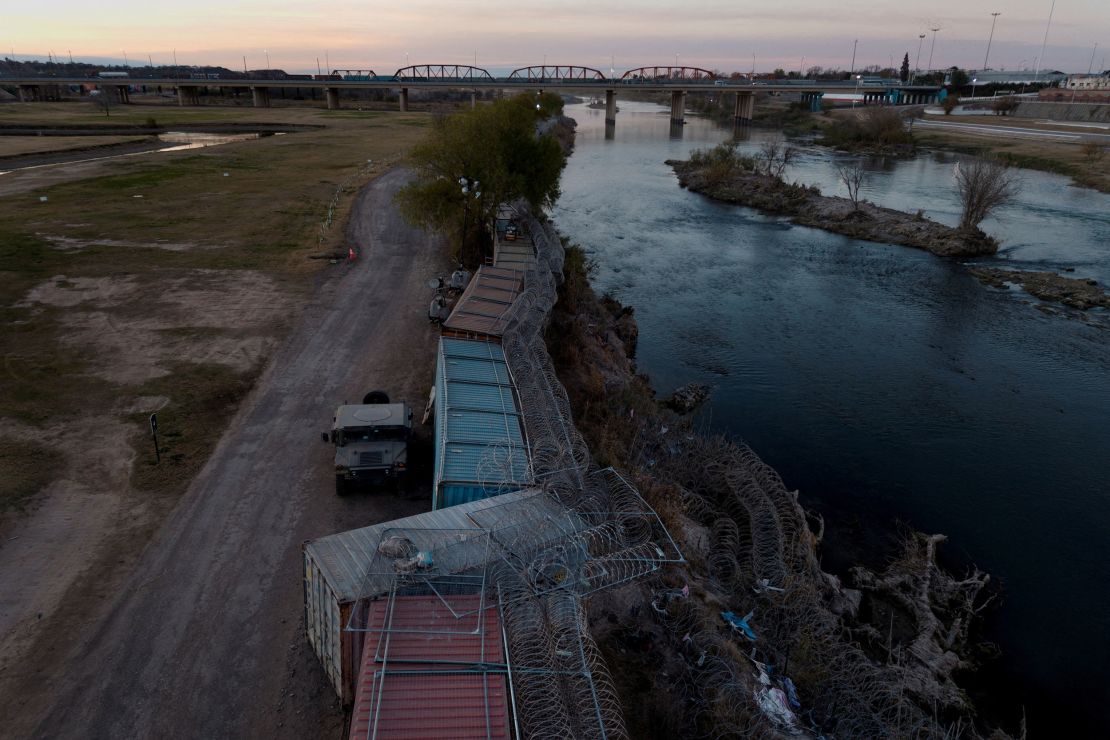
(886,384)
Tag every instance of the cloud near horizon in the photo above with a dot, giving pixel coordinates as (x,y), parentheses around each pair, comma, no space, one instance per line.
(705,33)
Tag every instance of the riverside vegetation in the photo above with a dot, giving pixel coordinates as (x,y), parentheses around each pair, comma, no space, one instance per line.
(723,173)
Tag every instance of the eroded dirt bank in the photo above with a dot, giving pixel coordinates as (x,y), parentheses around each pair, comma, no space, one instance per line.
(876,655)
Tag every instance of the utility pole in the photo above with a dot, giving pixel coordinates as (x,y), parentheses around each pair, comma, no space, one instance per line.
(994,19)
(1037,69)
(934,46)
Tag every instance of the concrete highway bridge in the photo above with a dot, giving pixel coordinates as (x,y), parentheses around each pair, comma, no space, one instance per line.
(677,80)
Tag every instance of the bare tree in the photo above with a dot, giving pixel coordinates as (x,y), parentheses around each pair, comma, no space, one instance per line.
(1093,150)
(852,175)
(105,99)
(983,185)
(776,158)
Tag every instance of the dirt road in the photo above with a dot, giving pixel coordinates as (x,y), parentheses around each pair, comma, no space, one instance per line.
(206,638)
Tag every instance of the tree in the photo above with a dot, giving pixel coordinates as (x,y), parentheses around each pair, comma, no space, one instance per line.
(959,77)
(506,147)
(904,74)
(1002,106)
(983,185)
(1093,150)
(105,99)
(775,157)
(852,176)
(949,103)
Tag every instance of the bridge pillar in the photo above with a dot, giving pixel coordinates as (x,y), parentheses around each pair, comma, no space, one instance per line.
(744,109)
(123,94)
(473,98)
(26,94)
(610,106)
(333,98)
(260,96)
(404,96)
(188,95)
(678,107)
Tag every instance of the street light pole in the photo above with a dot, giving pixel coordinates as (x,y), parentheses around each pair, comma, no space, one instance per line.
(994,19)
(468,186)
(1037,69)
(267,53)
(933,46)
(852,70)
(917,61)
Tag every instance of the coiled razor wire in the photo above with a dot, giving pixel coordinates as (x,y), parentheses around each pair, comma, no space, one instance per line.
(757,531)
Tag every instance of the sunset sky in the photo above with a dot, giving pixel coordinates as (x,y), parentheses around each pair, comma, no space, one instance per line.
(716,34)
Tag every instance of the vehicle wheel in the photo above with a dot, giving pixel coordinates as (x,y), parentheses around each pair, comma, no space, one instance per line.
(340,486)
(376,397)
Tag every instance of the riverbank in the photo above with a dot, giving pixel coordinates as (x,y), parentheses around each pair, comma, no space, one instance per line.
(987,136)
(878,655)
(723,175)
(1081,293)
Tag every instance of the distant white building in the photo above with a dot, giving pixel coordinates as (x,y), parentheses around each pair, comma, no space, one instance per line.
(1016,77)
(1084,83)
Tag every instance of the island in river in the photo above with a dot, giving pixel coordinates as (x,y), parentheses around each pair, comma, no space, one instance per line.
(737,179)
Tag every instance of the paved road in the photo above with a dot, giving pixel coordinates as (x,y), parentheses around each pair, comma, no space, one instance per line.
(207,638)
(986,129)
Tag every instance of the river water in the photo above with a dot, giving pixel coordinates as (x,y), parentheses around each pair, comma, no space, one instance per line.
(886,384)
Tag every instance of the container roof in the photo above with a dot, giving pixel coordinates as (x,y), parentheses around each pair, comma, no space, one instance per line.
(344,559)
(433,666)
(482,439)
(484,306)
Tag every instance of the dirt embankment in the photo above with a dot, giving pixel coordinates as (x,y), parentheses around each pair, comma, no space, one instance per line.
(806,206)
(875,656)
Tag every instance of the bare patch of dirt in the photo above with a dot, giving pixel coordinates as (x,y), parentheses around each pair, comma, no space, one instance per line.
(14,146)
(132,333)
(45,551)
(70,244)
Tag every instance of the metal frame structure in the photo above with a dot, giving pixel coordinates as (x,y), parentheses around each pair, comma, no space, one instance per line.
(556,73)
(451,72)
(653,74)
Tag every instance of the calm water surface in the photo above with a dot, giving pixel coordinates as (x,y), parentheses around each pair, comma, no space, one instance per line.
(884,383)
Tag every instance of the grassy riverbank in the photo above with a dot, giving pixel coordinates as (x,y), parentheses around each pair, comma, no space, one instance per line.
(162,282)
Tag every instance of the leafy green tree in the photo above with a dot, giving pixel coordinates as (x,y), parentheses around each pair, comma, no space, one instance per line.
(904,73)
(506,147)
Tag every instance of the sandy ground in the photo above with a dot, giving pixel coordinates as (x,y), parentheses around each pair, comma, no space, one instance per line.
(203,316)
(201,634)
(14,146)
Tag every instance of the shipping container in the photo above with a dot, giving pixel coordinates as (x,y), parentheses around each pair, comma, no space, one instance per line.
(480,445)
(337,570)
(484,309)
(434,666)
